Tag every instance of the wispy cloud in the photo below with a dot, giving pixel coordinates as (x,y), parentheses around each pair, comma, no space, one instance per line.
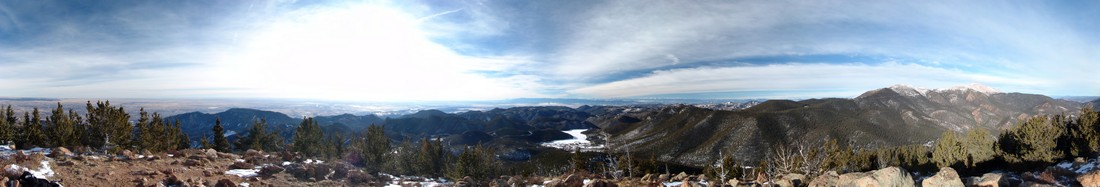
(476,50)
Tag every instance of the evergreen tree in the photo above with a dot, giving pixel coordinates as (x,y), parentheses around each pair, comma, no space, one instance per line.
(308,139)
(430,159)
(979,147)
(7,126)
(62,128)
(373,148)
(256,137)
(1032,144)
(1083,134)
(143,141)
(108,126)
(204,143)
(182,141)
(947,151)
(32,133)
(220,142)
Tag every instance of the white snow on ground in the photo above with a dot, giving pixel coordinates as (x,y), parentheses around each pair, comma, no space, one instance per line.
(1090,165)
(579,141)
(42,172)
(243,173)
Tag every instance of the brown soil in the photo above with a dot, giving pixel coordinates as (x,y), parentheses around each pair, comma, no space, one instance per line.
(201,170)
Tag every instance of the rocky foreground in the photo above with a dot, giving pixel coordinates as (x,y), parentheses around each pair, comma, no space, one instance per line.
(191,167)
(196,167)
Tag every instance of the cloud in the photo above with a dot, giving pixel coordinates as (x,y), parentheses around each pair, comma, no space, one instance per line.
(618,39)
(803,80)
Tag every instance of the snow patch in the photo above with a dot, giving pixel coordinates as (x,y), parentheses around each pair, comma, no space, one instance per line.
(243,173)
(579,141)
(42,172)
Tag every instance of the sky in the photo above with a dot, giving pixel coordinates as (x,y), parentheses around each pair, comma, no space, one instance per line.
(491,50)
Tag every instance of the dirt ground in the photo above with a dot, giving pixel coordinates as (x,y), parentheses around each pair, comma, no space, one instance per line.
(184,168)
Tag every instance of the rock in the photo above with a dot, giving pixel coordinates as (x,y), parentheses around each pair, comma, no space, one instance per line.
(128,155)
(300,171)
(702,177)
(891,176)
(791,180)
(322,172)
(829,178)
(359,177)
(225,183)
(761,178)
(270,170)
(680,177)
(146,152)
(192,162)
(601,183)
(210,152)
(241,165)
(1091,178)
(59,152)
(228,156)
(733,182)
(552,183)
(947,177)
(574,180)
(516,181)
(207,173)
(647,177)
(663,178)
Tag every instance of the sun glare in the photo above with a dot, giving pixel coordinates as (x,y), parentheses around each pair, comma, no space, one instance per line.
(359,52)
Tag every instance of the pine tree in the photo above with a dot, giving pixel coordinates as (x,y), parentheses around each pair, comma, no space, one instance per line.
(979,147)
(430,159)
(32,133)
(182,140)
(108,126)
(7,126)
(143,141)
(204,143)
(256,137)
(947,151)
(220,142)
(373,148)
(62,128)
(1032,143)
(308,139)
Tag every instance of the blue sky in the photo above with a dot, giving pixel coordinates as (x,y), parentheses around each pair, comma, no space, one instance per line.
(488,50)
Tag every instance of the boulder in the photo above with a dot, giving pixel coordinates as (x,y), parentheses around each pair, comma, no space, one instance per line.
(827,179)
(357,177)
(225,183)
(192,162)
(127,154)
(322,172)
(891,176)
(516,181)
(647,177)
(733,182)
(791,180)
(59,152)
(1091,178)
(574,180)
(270,170)
(680,177)
(663,178)
(946,177)
(601,183)
(761,178)
(552,183)
(241,165)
